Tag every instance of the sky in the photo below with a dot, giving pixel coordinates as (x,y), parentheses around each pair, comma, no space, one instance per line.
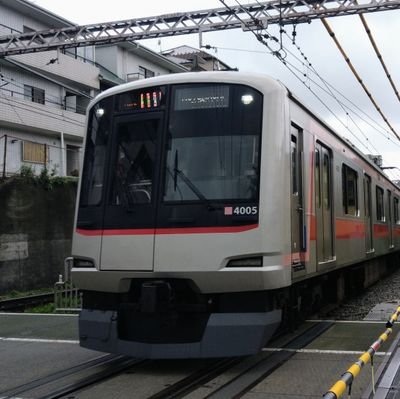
(242,50)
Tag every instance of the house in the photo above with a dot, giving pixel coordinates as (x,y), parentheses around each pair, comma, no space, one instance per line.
(196,60)
(44,96)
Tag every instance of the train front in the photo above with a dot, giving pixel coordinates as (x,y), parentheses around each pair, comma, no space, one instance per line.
(170,248)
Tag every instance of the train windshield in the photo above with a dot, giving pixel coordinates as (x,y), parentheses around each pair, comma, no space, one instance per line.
(213,143)
(155,155)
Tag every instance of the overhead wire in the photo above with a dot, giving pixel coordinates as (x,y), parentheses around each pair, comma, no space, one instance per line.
(48,97)
(376,125)
(378,54)
(282,59)
(43,113)
(329,90)
(331,87)
(366,118)
(358,77)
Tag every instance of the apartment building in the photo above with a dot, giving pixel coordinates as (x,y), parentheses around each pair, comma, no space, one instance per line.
(196,60)
(43,96)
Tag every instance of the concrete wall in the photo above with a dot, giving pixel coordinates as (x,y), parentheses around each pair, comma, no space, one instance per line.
(35,233)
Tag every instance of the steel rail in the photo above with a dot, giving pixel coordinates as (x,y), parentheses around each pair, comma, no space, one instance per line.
(194,380)
(255,370)
(19,304)
(267,12)
(93,371)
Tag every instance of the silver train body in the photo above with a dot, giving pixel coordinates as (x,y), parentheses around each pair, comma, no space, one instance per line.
(202,197)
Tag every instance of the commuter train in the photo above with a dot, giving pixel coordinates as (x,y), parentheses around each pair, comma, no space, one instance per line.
(205,200)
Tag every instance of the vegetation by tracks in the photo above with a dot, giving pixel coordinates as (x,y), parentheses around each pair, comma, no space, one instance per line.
(20,304)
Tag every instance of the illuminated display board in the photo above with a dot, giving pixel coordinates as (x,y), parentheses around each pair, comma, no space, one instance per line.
(201,97)
(142,99)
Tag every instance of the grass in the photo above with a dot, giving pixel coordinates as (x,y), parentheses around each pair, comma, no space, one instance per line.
(19,294)
(48,308)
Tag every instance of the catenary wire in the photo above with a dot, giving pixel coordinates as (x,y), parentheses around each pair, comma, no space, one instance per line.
(46,113)
(277,54)
(378,54)
(331,87)
(48,96)
(349,63)
(259,37)
(377,126)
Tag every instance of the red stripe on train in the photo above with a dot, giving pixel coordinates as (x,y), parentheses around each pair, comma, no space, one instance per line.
(161,231)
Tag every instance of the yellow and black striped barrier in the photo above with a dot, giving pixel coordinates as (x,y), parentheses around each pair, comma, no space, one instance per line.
(346,380)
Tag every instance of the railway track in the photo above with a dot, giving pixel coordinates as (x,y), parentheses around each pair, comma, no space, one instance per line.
(22,303)
(240,374)
(245,372)
(68,381)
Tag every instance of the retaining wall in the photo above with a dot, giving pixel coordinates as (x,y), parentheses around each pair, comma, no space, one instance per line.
(35,233)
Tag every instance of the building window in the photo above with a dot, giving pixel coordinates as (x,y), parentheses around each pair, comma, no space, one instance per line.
(145,73)
(34,94)
(34,152)
(380,207)
(350,192)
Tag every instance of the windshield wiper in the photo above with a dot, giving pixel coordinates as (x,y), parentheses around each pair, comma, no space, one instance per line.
(189,183)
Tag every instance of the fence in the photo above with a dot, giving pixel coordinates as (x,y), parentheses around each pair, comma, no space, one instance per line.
(346,380)
(67,297)
(17,153)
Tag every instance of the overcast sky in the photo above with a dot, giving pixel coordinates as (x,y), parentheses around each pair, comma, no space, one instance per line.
(314,42)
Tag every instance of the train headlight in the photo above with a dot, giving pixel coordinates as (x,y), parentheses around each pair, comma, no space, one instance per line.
(256,261)
(100,112)
(247,99)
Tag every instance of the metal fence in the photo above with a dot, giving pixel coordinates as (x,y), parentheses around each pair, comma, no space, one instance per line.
(67,298)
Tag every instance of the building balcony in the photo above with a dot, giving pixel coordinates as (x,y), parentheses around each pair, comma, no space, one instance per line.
(22,114)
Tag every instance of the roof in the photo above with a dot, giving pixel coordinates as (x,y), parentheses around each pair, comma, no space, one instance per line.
(48,18)
(152,56)
(192,56)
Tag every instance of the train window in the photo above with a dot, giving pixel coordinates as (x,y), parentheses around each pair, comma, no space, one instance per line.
(134,169)
(213,143)
(295,189)
(95,153)
(326,175)
(350,191)
(396,210)
(317,180)
(380,207)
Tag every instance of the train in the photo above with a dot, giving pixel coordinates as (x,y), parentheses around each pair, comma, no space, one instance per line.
(209,205)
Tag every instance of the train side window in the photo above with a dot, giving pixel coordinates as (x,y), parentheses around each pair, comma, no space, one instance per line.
(295,189)
(317,180)
(326,176)
(380,207)
(350,191)
(396,210)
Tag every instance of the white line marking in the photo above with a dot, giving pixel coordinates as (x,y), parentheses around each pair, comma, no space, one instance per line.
(39,340)
(322,351)
(349,321)
(38,314)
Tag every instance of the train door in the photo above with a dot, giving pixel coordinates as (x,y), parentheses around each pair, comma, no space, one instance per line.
(129,216)
(369,245)
(390,219)
(323,205)
(297,200)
